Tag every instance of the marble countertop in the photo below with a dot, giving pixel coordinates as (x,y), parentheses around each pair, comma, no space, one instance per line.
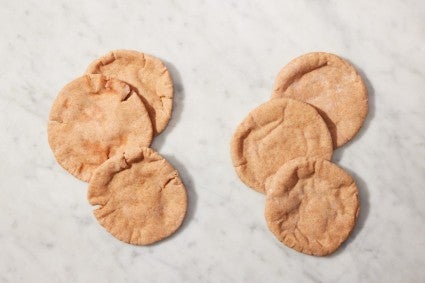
(223,56)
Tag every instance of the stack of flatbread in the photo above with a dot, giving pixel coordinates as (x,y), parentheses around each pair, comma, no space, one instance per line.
(100,128)
(283,149)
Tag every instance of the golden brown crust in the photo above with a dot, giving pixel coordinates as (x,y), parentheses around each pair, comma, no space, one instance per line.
(92,119)
(140,197)
(312,205)
(330,84)
(274,133)
(149,77)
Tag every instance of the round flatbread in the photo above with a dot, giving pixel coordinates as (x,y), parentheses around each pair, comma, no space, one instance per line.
(330,84)
(140,196)
(92,119)
(312,205)
(274,133)
(147,75)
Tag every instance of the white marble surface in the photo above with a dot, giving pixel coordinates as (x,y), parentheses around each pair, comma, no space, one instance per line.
(223,56)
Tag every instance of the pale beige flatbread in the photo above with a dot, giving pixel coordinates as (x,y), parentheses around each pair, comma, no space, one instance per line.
(140,197)
(274,133)
(147,74)
(312,205)
(330,84)
(92,119)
